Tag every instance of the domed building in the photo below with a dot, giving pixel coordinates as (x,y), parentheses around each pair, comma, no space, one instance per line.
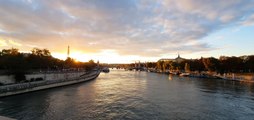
(178,59)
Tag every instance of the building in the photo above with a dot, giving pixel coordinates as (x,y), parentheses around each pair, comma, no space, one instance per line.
(178,59)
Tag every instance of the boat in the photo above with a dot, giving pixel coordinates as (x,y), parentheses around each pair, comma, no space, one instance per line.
(105,70)
(184,74)
(175,73)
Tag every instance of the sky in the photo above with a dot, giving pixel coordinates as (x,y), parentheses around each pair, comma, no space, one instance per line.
(125,31)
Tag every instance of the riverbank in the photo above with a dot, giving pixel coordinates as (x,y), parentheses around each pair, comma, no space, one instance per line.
(242,77)
(14,89)
(136,95)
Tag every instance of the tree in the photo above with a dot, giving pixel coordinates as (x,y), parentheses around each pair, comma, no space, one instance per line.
(174,66)
(151,64)
(12,51)
(14,63)
(36,52)
(187,67)
(69,63)
(231,64)
(90,65)
(46,52)
(211,64)
(40,52)
(196,64)
(249,63)
(160,65)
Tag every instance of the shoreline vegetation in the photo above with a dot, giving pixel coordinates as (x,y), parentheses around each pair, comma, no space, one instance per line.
(13,62)
(18,65)
(228,68)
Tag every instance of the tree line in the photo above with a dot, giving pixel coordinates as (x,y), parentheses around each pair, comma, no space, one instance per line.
(225,64)
(12,61)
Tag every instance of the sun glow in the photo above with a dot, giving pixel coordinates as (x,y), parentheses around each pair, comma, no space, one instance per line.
(105,56)
(79,56)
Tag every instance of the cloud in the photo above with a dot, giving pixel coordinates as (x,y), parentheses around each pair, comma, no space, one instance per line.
(12,42)
(129,27)
(6,42)
(3,43)
(249,21)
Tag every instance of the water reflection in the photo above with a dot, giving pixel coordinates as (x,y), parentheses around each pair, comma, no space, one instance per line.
(136,95)
(170,77)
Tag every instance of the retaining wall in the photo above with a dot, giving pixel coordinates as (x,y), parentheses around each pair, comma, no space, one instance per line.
(14,89)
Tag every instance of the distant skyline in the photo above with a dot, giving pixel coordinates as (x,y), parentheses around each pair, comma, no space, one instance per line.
(124,31)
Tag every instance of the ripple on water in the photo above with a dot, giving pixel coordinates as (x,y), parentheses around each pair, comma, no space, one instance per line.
(136,95)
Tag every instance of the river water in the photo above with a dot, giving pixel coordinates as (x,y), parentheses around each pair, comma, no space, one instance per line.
(136,95)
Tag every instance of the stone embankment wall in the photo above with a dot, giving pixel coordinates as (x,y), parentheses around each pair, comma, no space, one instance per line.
(9,79)
(239,76)
(13,89)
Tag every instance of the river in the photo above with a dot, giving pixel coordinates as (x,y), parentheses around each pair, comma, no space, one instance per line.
(136,95)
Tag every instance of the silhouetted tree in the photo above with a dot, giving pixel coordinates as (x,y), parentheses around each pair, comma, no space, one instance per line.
(160,65)
(211,64)
(151,64)
(14,62)
(231,64)
(249,64)
(187,67)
